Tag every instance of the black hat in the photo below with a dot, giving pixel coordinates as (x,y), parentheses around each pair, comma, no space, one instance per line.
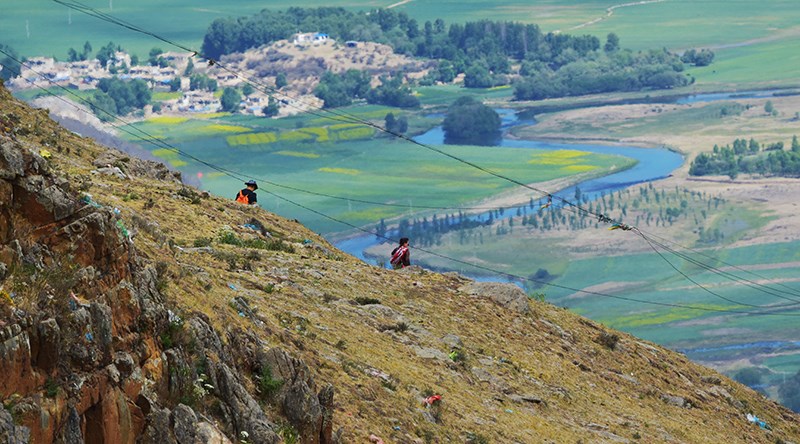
(251,183)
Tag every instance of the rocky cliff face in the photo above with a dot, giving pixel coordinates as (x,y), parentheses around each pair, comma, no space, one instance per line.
(89,351)
(134,310)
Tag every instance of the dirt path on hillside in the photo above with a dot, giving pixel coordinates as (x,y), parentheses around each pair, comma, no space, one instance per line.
(780,35)
(400,3)
(610,12)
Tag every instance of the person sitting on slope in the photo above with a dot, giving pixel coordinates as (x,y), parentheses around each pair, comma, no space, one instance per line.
(248,195)
(401,256)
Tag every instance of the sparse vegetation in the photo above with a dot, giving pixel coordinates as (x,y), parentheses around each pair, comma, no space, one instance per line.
(364,300)
(267,385)
(607,340)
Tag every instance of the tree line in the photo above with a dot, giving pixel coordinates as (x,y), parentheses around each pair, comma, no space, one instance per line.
(553,65)
(749,157)
(647,206)
(342,89)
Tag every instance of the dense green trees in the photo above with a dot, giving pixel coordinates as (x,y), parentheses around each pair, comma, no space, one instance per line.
(230,100)
(115,96)
(340,89)
(280,80)
(75,56)
(272,109)
(554,65)
(704,57)
(155,58)
(202,82)
(616,71)
(106,53)
(398,125)
(469,122)
(747,157)
(392,92)
(175,84)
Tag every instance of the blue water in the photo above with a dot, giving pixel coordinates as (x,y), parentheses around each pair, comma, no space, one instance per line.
(652,164)
(772,345)
(713,97)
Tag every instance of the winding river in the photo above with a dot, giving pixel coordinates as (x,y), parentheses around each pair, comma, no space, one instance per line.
(652,164)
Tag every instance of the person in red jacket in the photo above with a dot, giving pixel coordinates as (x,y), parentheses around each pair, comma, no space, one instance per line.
(401,256)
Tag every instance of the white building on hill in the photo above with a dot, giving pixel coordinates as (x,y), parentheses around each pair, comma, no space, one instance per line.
(309,38)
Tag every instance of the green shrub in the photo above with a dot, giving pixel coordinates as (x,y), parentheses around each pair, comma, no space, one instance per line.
(228,237)
(267,385)
(362,300)
(51,388)
(202,242)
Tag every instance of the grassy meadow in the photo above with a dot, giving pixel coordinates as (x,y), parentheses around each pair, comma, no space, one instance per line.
(348,160)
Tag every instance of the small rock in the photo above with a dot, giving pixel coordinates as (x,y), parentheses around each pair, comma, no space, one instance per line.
(674,400)
(209,433)
(430,353)
(452,340)
(113,373)
(526,398)
(507,295)
(711,379)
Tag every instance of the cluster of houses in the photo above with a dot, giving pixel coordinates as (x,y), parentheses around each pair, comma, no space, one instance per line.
(44,72)
(81,75)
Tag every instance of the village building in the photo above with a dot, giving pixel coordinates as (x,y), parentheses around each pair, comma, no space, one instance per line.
(199,102)
(309,38)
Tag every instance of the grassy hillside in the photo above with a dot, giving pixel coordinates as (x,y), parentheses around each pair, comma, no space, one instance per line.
(386,340)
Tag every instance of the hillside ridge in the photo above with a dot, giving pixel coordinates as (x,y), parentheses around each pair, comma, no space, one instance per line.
(136,309)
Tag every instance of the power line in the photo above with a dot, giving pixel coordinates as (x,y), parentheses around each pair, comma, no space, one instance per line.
(149,138)
(513,276)
(342,115)
(788,290)
(704,288)
(478,266)
(339,115)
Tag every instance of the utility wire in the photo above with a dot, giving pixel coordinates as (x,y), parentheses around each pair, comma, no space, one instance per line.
(664,241)
(451,259)
(340,115)
(706,289)
(522,278)
(150,138)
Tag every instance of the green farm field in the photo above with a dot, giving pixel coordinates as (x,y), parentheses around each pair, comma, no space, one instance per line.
(382,169)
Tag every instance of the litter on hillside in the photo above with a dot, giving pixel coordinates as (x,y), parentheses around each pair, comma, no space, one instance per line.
(430,400)
(87,199)
(375,439)
(755,420)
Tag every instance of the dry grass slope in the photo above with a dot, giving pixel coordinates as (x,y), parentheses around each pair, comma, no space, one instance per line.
(544,376)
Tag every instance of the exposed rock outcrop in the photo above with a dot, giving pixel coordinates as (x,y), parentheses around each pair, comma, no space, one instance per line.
(89,351)
(506,295)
